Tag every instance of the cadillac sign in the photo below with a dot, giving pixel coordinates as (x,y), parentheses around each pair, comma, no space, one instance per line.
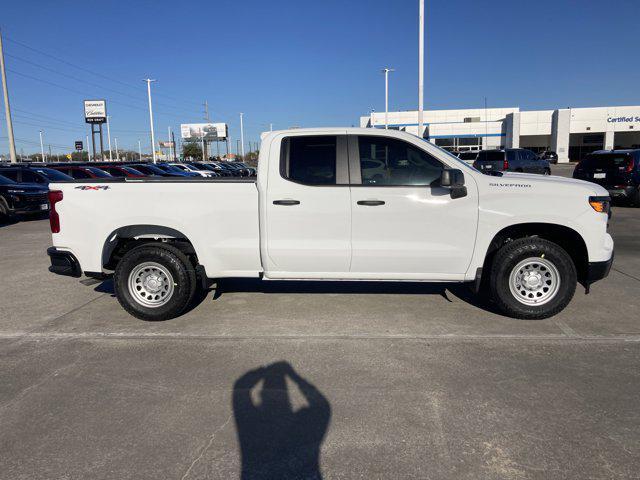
(95,111)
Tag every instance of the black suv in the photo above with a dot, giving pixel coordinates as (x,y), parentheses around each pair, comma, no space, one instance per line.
(616,170)
(511,160)
(16,199)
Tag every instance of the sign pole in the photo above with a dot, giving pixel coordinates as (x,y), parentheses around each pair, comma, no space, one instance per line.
(93,141)
(101,145)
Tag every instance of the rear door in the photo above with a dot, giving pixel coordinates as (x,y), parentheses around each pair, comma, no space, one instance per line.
(405,226)
(608,169)
(307,208)
(490,160)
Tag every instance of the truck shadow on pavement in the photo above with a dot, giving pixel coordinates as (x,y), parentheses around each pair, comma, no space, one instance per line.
(278,440)
(251,285)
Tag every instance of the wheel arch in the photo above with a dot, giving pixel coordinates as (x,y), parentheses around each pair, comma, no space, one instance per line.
(566,237)
(123,239)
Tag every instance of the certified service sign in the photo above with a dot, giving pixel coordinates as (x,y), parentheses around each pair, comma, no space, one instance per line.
(95,111)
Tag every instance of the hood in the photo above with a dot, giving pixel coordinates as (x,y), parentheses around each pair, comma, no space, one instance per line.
(553,180)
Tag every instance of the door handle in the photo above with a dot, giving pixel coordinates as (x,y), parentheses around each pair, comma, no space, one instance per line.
(286,202)
(371,203)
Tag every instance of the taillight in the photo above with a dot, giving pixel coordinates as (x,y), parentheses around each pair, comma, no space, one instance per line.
(55,196)
(505,164)
(629,167)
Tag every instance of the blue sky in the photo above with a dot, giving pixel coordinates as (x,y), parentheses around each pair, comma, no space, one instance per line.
(304,63)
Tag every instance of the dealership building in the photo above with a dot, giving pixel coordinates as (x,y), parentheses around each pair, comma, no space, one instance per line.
(570,132)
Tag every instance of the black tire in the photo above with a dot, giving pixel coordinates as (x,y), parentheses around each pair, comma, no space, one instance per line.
(173,261)
(635,198)
(547,171)
(510,256)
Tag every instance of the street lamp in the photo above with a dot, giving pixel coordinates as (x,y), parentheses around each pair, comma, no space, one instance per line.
(386,71)
(153,138)
(41,146)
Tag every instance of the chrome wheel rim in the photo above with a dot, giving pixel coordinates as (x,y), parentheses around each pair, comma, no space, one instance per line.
(534,281)
(151,284)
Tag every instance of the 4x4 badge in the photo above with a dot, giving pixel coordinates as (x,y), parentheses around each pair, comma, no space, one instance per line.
(92,187)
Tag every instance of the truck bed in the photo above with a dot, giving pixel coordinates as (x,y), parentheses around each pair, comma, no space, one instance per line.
(218,216)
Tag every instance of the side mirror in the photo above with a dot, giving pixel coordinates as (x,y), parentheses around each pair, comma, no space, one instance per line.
(453,179)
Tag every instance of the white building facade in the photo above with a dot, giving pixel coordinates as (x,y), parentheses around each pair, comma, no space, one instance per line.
(570,132)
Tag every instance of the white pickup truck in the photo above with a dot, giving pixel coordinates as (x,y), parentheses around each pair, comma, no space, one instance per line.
(337,204)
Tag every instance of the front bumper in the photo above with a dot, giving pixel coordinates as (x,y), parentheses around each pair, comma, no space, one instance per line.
(598,270)
(63,263)
(625,192)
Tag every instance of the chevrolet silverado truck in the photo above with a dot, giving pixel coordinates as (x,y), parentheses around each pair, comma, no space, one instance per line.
(337,204)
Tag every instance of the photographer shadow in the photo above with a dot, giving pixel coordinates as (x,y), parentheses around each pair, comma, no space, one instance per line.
(276,440)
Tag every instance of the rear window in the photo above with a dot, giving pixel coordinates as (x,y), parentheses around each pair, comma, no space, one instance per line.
(606,160)
(310,160)
(53,175)
(98,173)
(490,156)
(6,181)
(132,171)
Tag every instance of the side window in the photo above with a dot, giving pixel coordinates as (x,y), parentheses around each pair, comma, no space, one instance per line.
(79,174)
(30,177)
(511,155)
(388,161)
(309,160)
(115,172)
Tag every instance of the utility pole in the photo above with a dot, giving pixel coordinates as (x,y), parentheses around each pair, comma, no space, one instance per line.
(117,153)
(50,156)
(41,146)
(140,149)
(202,139)
(153,138)
(386,95)
(109,138)
(241,135)
(170,155)
(421,72)
(88,150)
(7,107)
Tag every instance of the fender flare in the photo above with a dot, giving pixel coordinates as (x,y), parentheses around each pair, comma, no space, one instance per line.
(133,231)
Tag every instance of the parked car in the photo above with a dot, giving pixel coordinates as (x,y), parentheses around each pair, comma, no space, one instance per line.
(81,172)
(549,155)
(33,174)
(121,171)
(530,239)
(171,169)
(151,169)
(215,167)
(189,168)
(616,170)
(21,199)
(204,166)
(511,160)
(468,157)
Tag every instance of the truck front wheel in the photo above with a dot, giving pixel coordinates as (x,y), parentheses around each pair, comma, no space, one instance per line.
(154,282)
(532,278)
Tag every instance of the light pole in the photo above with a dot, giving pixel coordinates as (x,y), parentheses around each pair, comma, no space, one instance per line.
(170,156)
(139,149)
(7,108)
(41,146)
(109,137)
(421,71)
(242,136)
(153,138)
(202,139)
(386,95)
(117,153)
(88,150)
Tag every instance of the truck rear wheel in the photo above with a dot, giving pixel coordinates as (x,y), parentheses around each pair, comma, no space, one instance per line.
(154,282)
(532,278)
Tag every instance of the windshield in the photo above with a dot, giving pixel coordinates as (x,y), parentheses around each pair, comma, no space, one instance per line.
(6,181)
(149,168)
(465,165)
(54,175)
(133,171)
(170,168)
(99,173)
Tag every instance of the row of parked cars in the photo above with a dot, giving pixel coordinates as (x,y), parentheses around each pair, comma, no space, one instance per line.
(24,187)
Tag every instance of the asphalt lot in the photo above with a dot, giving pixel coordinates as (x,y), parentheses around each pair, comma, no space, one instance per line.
(316,380)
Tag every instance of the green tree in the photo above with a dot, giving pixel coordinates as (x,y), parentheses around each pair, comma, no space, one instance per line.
(191,149)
